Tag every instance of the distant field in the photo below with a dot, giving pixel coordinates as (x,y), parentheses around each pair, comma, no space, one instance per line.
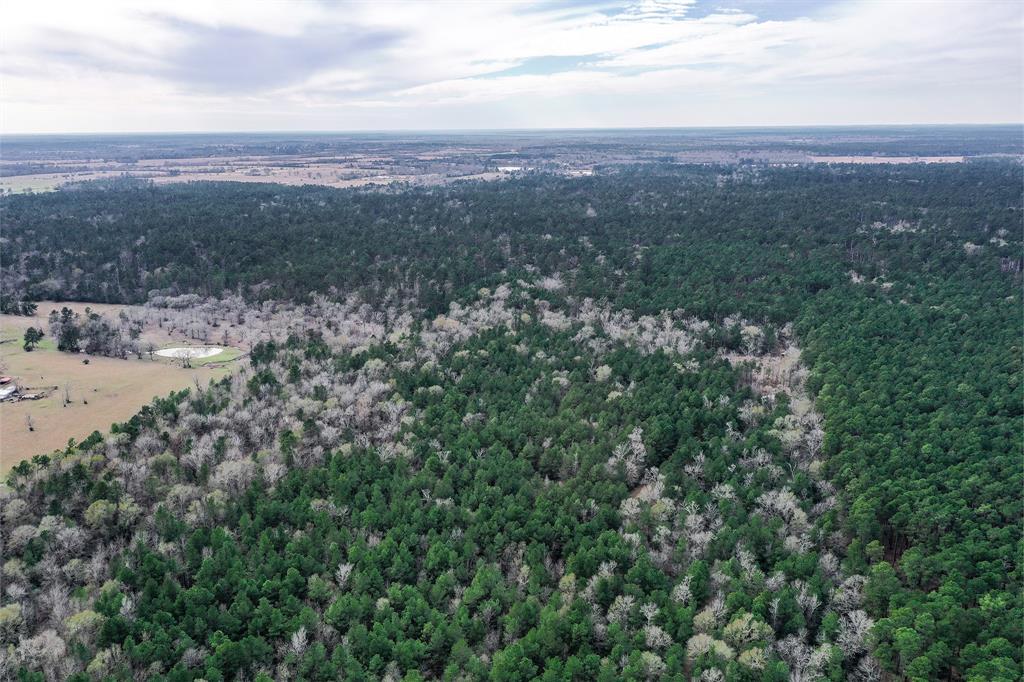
(41,164)
(887,159)
(361,172)
(105,391)
(285,170)
(47,182)
(18,184)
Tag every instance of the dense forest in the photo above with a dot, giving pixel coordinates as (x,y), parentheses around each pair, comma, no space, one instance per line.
(666,422)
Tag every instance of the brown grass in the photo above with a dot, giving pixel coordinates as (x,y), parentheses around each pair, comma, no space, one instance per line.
(17,324)
(887,159)
(105,391)
(350,170)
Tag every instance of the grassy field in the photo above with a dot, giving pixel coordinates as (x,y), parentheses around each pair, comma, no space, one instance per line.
(18,184)
(105,391)
(48,182)
(17,324)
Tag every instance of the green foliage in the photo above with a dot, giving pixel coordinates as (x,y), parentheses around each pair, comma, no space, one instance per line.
(453,557)
(32,337)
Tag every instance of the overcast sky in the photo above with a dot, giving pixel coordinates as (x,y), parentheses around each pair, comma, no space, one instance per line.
(178,65)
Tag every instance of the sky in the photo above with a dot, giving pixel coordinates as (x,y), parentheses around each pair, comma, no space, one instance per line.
(269,65)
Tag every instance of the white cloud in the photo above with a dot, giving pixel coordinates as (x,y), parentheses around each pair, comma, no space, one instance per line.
(194,65)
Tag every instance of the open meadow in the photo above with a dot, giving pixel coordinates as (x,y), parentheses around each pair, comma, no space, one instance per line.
(99,390)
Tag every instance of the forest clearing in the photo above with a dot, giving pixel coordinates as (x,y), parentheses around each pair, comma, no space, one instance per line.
(74,394)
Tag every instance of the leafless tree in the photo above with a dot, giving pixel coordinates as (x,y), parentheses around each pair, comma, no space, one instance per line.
(854,628)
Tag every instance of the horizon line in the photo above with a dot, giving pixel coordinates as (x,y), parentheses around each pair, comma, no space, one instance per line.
(771,126)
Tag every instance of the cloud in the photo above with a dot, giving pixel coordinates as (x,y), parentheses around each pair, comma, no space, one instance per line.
(114,64)
(231,59)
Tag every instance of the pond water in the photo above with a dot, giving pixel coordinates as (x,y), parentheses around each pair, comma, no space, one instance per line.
(191,352)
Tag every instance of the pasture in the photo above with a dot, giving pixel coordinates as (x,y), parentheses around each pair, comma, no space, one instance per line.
(102,392)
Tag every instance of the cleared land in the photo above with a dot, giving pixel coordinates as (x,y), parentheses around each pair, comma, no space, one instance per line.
(160,337)
(41,163)
(359,171)
(888,159)
(351,171)
(102,392)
